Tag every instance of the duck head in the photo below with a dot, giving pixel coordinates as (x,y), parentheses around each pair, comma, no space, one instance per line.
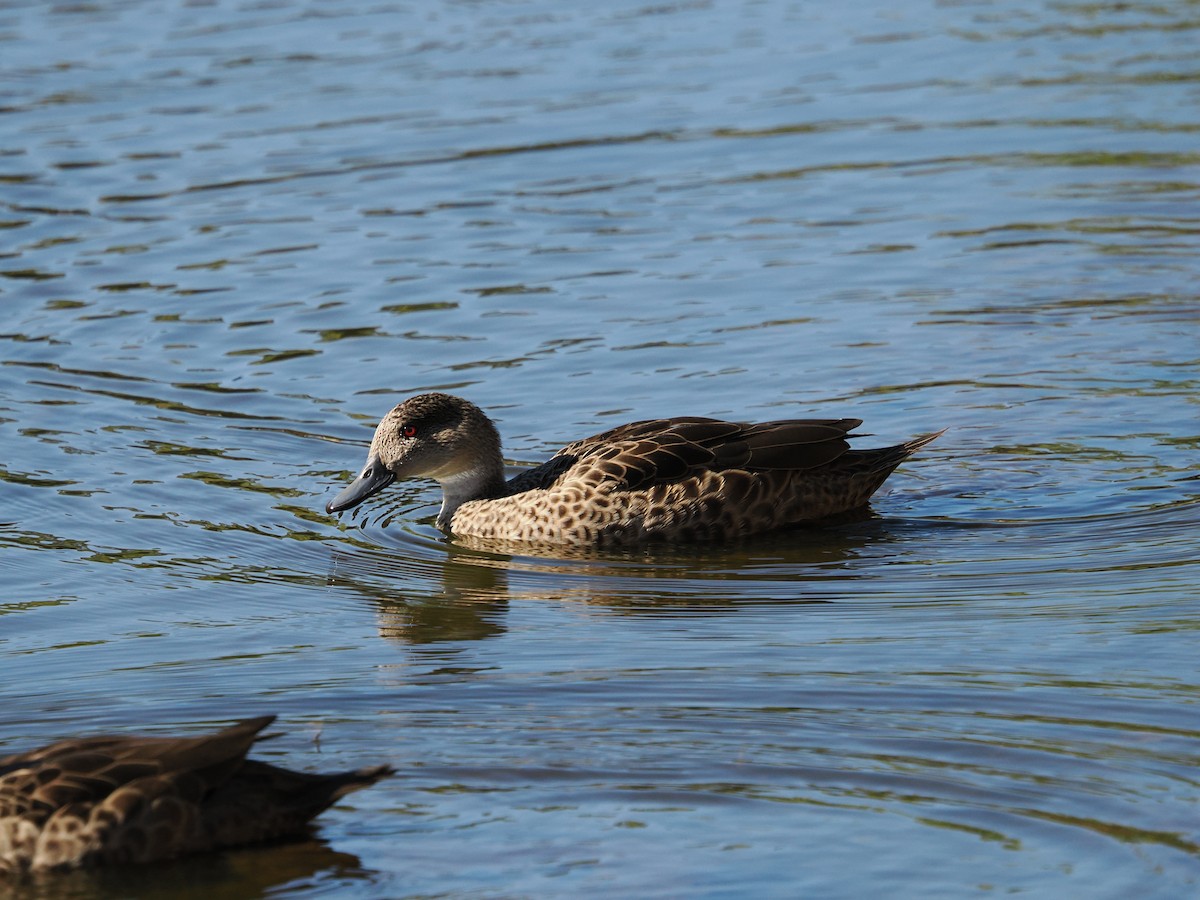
(435,436)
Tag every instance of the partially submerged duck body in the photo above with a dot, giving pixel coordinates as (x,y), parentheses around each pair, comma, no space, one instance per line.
(682,479)
(105,800)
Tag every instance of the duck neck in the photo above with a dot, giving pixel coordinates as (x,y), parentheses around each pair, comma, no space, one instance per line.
(483,483)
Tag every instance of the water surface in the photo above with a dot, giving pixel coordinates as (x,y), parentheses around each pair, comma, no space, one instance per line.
(235,234)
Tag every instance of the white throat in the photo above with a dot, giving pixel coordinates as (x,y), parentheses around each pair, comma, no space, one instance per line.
(458,489)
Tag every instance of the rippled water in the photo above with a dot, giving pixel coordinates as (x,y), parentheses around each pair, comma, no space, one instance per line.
(234,234)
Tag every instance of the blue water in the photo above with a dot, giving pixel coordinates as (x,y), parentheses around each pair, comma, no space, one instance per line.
(233,235)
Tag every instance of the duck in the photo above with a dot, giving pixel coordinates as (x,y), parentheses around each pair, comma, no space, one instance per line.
(682,479)
(114,799)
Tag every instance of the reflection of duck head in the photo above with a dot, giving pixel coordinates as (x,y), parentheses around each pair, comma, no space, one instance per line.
(681,479)
(462,619)
(427,595)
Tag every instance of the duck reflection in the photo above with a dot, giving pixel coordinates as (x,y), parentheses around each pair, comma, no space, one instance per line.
(425,598)
(258,872)
(431,589)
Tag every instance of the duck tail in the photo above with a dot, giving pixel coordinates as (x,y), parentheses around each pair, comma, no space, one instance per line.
(266,802)
(912,446)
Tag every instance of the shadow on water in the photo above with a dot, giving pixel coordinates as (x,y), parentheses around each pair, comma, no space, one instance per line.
(259,871)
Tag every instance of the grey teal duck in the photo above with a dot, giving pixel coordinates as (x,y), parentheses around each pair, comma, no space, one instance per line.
(680,479)
(95,801)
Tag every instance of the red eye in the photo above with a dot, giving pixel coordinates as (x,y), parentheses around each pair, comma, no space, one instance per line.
(409,430)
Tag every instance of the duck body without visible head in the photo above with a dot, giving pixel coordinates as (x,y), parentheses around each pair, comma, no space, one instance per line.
(105,800)
(680,479)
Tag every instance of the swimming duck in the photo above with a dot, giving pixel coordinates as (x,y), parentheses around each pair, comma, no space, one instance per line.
(95,801)
(680,479)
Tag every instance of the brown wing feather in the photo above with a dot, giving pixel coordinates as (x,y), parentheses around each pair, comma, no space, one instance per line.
(692,428)
(87,770)
(663,451)
(796,444)
(666,458)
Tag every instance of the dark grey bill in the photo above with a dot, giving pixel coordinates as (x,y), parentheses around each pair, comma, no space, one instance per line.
(374,478)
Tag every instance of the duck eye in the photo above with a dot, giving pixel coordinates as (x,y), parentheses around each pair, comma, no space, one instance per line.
(408,430)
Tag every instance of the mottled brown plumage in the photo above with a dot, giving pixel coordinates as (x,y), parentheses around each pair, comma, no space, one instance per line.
(681,479)
(104,800)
